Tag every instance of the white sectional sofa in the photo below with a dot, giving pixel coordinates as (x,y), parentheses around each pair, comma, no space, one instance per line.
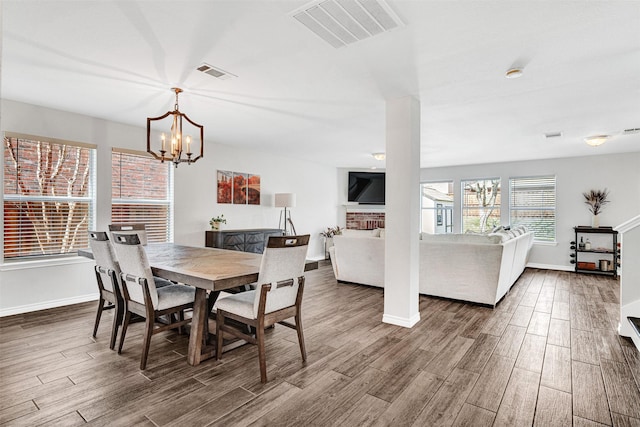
(468,267)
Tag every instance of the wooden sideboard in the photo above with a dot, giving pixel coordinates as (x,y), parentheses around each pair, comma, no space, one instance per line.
(249,240)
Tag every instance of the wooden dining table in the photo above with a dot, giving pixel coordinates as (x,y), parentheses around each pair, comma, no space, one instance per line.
(206,269)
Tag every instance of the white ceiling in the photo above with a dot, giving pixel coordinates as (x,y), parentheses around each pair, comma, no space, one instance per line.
(297,95)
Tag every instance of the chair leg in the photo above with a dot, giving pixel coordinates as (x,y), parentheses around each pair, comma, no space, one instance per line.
(125,324)
(180,319)
(117,321)
(219,333)
(146,343)
(261,354)
(98,316)
(303,350)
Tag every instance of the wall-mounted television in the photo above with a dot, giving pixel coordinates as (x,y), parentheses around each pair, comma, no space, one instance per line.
(366,188)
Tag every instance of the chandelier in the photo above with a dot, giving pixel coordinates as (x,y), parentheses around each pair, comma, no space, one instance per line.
(179,139)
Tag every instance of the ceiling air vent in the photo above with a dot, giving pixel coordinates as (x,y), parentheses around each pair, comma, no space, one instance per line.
(631,131)
(343,22)
(553,135)
(215,72)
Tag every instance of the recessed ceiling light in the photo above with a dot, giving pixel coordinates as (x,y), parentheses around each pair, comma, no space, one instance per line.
(379,156)
(596,140)
(514,73)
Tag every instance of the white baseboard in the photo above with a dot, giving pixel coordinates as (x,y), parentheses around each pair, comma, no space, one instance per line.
(47,304)
(551,266)
(401,321)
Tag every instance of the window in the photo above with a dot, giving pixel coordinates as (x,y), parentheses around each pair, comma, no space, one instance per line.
(437,207)
(142,192)
(480,205)
(48,197)
(533,203)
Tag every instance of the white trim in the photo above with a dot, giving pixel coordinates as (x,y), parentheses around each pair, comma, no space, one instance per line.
(628,225)
(40,263)
(47,304)
(551,267)
(401,321)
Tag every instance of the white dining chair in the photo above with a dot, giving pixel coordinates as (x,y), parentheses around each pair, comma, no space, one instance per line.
(278,297)
(107,276)
(141,296)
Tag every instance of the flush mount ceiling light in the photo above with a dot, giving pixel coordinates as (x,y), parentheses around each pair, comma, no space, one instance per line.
(180,138)
(514,73)
(379,156)
(596,140)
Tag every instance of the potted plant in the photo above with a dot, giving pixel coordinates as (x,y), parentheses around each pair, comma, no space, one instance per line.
(216,221)
(328,238)
(596,199)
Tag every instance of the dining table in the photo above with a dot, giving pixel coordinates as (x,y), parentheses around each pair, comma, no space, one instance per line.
(209,271)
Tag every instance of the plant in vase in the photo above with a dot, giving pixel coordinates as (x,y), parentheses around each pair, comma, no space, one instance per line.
(328,238)
(331,231)
(216,221)
(596,200)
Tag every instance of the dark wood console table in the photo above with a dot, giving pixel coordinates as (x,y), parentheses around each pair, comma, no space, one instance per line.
(246,240)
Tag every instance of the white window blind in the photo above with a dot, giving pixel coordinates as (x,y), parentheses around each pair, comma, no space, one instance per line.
(532,203)
(142,193)
(48,197)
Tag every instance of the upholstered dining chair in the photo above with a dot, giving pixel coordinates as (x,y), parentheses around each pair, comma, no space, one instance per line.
(141,296)
(278,297)
(107,273)
(139,229)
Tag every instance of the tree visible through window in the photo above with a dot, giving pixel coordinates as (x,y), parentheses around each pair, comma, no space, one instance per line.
(533,203)
(142,193)
(48,196)
(480,205)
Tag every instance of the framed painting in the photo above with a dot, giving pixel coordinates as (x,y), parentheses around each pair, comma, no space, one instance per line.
(225,187)
(253,190)
(240,188)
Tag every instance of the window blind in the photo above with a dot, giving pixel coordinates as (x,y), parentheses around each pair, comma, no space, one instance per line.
(142,193)
(532,203)
(48,196)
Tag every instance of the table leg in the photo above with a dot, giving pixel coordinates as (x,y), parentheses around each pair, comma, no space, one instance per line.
(200,316)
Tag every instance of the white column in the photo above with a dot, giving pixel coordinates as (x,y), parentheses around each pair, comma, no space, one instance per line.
(402,203)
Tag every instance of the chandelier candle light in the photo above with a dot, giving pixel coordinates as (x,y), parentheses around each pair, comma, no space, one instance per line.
(175,147)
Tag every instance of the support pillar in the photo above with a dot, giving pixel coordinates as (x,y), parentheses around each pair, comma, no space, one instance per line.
(402,206)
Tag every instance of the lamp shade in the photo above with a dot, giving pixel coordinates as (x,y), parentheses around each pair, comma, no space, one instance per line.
(285,200)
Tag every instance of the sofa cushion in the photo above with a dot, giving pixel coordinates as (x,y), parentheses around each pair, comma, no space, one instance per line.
(358,233)
(462,238)
(503,235)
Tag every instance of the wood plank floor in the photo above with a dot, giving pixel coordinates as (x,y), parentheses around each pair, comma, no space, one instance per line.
(548,355)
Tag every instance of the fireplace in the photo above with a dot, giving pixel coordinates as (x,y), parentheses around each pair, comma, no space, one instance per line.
(365,220)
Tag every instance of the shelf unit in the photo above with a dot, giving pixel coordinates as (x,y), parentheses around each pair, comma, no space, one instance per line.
(583,257)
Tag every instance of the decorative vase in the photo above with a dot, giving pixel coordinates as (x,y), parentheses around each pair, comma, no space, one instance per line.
(215,226)
(595,221)
(328,243)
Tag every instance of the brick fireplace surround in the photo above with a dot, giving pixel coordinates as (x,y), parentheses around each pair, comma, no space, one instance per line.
(365,220)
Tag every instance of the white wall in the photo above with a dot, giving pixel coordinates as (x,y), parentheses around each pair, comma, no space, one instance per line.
(617,172)
(25,287)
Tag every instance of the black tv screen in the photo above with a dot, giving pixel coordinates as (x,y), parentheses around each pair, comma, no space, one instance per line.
(366,188)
